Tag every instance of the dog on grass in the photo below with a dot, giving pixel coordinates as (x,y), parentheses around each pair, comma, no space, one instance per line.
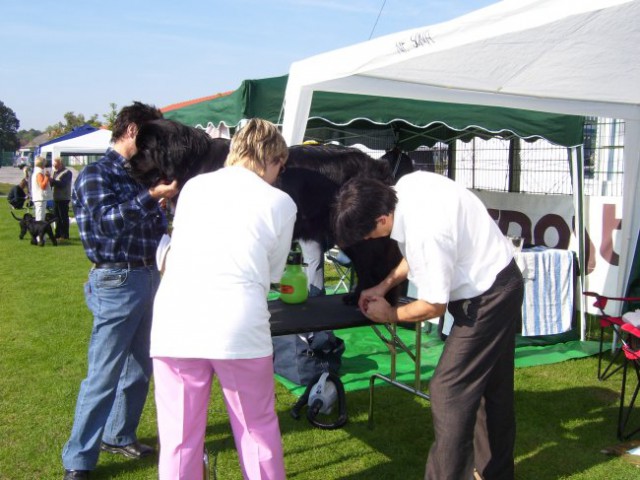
(38,229)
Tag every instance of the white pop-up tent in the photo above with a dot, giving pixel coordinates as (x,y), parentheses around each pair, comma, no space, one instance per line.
(560,56)
(93,143)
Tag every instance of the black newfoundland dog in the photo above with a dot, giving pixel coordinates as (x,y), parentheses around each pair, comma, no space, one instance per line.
(38,229)
(170,151)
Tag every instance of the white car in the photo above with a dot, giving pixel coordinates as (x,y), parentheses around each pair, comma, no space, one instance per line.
(20,161)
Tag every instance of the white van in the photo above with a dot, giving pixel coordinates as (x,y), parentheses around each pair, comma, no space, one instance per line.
(23,157)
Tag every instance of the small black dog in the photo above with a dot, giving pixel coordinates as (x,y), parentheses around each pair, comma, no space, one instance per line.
(36,228)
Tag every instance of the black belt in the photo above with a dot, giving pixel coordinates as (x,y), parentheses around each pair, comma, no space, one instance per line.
(147,262)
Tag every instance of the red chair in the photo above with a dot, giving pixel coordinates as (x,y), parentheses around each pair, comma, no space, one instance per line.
(631,349)
(613,322)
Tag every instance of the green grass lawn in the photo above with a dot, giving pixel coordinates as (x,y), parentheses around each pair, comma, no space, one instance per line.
(4,190)
(565,416)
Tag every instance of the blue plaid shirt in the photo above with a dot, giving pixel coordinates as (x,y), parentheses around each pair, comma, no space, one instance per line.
(118,220)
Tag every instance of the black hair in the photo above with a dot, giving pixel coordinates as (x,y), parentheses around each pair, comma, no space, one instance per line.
(360,202)
(138,113)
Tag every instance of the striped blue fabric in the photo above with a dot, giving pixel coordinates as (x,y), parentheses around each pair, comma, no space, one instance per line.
(117,218)
(549,291)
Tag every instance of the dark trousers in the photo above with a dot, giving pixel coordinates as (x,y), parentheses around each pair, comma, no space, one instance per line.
(472,389)
(61,211)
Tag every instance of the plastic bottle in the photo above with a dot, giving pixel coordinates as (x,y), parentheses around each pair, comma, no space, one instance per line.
(293,284)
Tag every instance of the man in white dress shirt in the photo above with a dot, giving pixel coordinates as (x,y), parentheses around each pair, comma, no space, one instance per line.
(458,259)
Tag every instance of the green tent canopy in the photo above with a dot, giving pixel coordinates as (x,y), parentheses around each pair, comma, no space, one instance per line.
(366,119)
(255,98)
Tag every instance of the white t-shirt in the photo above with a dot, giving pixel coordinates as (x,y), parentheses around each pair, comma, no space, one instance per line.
(453,247)
(231,237)
(37,193)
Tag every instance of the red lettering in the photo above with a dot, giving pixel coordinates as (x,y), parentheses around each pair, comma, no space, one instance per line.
(609,224)
(556,222)
(590,253)
(507,217)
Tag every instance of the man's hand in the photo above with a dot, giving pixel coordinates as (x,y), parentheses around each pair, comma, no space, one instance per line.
(163,190)
(365,295)
(378,310)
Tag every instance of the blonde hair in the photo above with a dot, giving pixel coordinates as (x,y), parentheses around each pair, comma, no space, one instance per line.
(257,145)
(39,161)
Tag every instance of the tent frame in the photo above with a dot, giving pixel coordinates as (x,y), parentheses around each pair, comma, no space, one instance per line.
(384,69)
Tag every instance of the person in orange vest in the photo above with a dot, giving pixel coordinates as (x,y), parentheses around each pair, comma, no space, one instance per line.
(40,188)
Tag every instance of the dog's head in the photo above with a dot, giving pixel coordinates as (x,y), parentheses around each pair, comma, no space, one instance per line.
(25,221)
(167,151)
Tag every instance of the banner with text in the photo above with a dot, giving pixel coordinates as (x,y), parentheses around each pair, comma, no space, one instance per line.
(548,220)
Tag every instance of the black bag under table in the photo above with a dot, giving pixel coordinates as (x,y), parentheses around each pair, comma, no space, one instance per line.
(330,313)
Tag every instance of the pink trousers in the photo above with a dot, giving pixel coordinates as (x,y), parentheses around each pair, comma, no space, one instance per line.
(182,390)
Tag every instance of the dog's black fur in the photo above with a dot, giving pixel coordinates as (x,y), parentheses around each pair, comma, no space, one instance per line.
(313,177)
(399,162)
(36,228)
(168,151)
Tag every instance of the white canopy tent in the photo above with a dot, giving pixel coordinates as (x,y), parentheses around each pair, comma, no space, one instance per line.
(93,143)
(559,56)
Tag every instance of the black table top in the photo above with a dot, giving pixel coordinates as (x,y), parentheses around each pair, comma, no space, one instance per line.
(317,313)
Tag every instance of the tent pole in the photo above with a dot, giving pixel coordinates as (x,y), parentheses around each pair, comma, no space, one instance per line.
(630,209)
(451,154)
(576,154)
(515,165)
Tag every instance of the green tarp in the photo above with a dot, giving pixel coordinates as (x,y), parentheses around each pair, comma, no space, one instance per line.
(255,98)
(407,123)
(365,355)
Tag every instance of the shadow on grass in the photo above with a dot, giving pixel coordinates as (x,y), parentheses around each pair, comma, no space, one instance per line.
(560,433)
(116,466)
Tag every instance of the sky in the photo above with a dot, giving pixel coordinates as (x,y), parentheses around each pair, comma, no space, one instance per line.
(81,56)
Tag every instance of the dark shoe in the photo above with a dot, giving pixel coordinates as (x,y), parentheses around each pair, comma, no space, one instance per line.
(133,450)
(76,474)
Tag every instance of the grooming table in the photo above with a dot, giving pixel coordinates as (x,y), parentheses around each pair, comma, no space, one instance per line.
(330,313)
(317,313)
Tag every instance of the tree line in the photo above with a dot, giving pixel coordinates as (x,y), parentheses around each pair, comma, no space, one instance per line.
(11,138)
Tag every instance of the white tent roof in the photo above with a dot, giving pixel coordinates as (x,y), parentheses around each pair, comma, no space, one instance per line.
(552,55)
(95,142)
(562,56)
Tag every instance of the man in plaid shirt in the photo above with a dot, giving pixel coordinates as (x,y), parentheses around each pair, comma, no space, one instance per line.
(120,224)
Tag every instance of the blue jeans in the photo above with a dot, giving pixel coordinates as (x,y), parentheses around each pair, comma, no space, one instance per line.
(113,394)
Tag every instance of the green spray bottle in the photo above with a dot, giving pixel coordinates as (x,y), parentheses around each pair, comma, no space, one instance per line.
(293,284)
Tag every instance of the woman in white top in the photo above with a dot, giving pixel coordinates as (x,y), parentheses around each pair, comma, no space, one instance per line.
(231,236)
(40,188)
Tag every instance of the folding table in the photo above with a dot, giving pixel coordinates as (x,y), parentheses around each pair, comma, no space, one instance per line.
(330,313)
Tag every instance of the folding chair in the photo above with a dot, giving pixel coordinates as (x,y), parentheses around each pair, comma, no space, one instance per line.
(342,264)
(631,349)
(613,322)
